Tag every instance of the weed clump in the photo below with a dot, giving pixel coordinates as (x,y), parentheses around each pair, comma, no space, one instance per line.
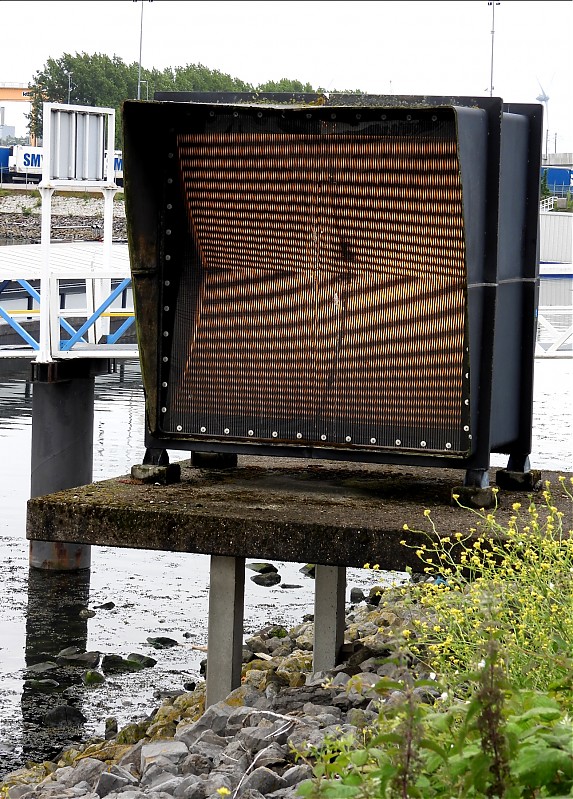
(493,628)
(512,583)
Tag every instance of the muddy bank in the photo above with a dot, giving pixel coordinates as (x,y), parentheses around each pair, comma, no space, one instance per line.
(73,218)
(277,685)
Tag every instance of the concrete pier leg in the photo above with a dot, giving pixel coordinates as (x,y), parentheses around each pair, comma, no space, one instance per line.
(225,641)
(62,457)
(329,596)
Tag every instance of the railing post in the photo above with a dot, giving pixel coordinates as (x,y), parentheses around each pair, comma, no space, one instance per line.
(102,286)
(45,351)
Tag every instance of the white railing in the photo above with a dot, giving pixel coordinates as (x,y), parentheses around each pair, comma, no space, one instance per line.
(554,332)
(548,204)
(76,332)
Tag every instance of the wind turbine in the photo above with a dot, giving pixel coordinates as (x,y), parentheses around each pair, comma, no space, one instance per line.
(544,98)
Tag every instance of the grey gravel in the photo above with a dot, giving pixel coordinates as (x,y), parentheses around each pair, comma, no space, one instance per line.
(250,743)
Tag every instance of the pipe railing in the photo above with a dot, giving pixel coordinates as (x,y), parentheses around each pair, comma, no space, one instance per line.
(80,341)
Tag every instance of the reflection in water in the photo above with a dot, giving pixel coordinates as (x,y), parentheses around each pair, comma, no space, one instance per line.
(154,593)
(53,623)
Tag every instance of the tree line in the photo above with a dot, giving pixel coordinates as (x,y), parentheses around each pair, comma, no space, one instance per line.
(104,81)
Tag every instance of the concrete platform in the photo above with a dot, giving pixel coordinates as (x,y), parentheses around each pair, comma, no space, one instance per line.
(328,513)
(324,513)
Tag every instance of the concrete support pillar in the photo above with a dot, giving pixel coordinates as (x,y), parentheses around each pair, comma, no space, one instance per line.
(225,642)
(329,599)
(62,457)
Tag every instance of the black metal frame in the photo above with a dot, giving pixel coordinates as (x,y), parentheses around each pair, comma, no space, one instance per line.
(502,270)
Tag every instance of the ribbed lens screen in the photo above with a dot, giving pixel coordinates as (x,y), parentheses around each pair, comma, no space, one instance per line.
(317,294)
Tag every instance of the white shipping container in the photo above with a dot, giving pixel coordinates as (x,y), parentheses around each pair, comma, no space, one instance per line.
(556,237)
(25,160)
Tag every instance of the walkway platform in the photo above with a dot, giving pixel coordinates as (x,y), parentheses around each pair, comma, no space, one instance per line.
(66,259)
(89,304)
(323,513)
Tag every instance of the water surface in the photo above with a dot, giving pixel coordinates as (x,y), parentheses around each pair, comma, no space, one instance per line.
(154,593)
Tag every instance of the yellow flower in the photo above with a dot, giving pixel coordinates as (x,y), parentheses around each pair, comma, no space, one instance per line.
(405,527)
(426,512)
(222,791)
(516,505)
(366,565)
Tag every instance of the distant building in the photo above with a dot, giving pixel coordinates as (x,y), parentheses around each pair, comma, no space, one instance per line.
(7,131)
(558,159)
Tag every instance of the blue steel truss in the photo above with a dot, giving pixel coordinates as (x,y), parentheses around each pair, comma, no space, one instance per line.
(76,336)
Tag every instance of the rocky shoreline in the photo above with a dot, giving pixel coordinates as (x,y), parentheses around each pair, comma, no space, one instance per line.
(73,218)
(245,745)
(250,745)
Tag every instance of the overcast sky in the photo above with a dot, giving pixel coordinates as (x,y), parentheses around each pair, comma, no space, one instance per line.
(380,46)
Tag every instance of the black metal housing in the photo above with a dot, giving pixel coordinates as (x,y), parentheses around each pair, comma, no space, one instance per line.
(292,256)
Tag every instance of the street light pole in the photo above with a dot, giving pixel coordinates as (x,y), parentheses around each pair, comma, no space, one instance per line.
(140,48)
(493,4)
(69,74)
(139,81)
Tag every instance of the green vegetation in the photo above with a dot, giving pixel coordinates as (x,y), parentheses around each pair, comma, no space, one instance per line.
(492,633)
(512,583)
(101,80)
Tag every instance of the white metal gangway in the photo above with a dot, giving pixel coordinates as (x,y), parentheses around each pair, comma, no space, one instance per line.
(89,306)
(554,332)
(35,279)
(547,204)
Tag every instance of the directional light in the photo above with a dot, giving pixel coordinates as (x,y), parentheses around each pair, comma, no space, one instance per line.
(353,279)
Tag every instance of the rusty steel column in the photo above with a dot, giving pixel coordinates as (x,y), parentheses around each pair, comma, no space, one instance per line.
(62,450)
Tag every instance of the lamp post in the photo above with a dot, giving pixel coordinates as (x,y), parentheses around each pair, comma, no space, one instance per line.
(140,46)
(69,74)
(493,4)
(139,81)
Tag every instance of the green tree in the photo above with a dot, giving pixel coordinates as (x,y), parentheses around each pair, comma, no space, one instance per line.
(197,78)
(95,80)
(285,85)
(101,80)
(8,141)
(544,189)
(104,81)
